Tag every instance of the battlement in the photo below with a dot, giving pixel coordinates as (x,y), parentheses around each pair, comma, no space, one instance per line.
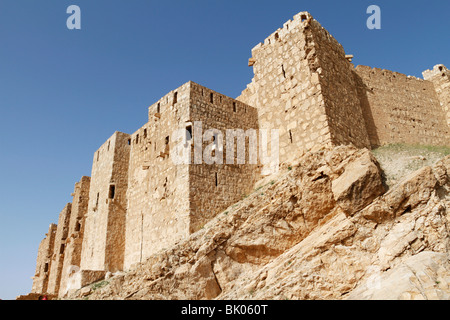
(193,91)
(386,73)
(300,20)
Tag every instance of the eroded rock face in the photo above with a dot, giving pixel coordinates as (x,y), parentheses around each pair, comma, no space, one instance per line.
(324,230)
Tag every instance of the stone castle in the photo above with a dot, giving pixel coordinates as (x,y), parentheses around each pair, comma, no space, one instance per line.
(137,201)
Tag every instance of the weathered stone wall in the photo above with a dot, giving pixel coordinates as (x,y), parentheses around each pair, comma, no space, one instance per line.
(158,204)
(440,76)
(214,187)
(74,242)
(103,241)
(44,261)
(400,108)
(56,267)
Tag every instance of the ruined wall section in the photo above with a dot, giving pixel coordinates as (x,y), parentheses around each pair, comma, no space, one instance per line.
(214,187)
(62,232)
(44,261)
(158,190)
(327,58)
(106,198)
(400,108)
(440,77)
(286,88)
(74,242)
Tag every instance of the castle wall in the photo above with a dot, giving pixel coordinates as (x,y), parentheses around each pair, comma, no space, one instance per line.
(139,201)
(103,241)
(214,187)
(74,242)
(440,77)
(158,205)
(62,232)
(44,261)
(400,109)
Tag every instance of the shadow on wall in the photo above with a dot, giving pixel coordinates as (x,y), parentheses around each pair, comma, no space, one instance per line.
(363,92)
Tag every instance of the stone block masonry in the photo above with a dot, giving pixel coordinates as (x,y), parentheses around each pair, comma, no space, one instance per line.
(139,201)
(401,109)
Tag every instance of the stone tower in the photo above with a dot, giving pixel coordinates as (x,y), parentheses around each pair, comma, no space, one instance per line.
(304,86)
(167,201)
(103,242)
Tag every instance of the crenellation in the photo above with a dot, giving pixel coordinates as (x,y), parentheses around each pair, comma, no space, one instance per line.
(141,199)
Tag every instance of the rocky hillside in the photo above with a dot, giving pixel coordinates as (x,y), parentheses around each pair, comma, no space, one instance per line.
(326,228)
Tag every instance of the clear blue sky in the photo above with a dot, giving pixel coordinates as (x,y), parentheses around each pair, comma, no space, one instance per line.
(64,92)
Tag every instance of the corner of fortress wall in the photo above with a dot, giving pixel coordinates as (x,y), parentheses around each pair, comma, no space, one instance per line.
(138,201)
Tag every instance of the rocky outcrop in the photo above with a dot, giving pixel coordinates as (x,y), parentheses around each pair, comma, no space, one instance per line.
(323,229)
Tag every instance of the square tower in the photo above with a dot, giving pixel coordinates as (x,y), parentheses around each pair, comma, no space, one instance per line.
(169,200)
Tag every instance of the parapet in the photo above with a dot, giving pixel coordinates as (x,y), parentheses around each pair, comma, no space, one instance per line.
(378,72)
(300,19)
